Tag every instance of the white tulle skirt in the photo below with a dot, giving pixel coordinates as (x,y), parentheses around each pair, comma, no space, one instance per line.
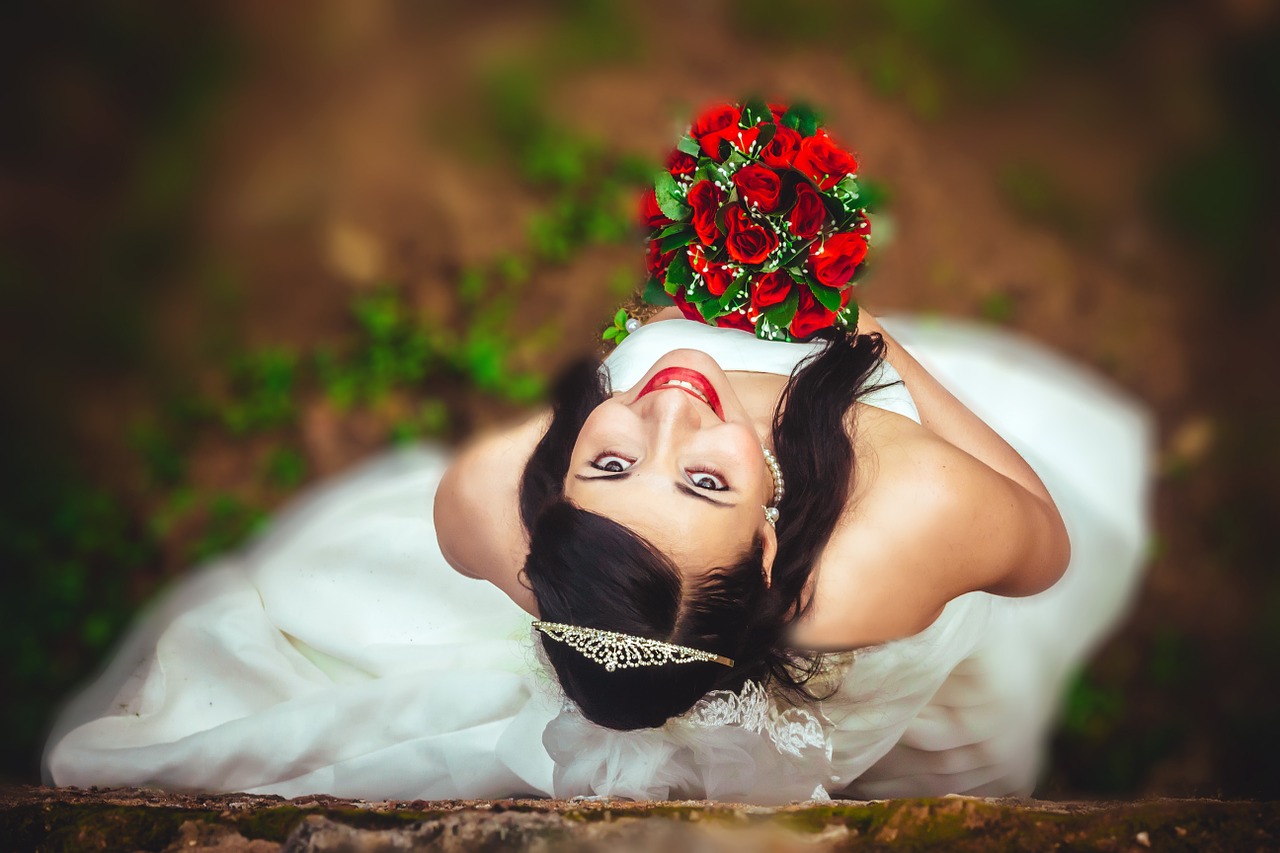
(340,654)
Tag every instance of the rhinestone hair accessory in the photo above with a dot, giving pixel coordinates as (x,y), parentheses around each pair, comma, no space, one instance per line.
(779,487)
(615,650)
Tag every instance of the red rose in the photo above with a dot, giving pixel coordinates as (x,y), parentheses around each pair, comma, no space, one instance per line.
(735,320)
(741,138)
(657,262)
(771,289)
(745,138)
(680,163)
(835,260)
(688,309)
(758,185)
(747,242)
(705,199)
(807,216)
(716,123)
(812,315)
(715,118)
(718,278)
(778,110)
(650,213)
(824,161)
(781,150)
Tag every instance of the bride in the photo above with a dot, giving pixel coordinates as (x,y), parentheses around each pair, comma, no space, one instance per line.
(719,566)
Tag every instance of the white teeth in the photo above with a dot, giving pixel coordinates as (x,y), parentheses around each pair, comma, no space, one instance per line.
(689,386)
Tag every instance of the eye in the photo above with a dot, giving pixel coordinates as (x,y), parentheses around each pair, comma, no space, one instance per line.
(709,480)
(611,462)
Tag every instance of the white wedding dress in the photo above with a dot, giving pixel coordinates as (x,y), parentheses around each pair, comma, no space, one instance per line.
(340,654)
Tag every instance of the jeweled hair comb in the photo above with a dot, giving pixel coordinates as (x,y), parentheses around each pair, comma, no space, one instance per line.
(615,650)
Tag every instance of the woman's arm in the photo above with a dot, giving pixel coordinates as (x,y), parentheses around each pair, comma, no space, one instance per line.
(477,508)
(1017,497)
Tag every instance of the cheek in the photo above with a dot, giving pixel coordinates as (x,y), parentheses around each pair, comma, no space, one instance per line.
(609,427)
(601,425)
(746,450)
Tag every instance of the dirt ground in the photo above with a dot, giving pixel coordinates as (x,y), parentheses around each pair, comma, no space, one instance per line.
(343,155)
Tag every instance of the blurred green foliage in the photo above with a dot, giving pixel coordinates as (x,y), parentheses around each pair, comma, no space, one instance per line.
(70,552)
(1217,196)
(590,188)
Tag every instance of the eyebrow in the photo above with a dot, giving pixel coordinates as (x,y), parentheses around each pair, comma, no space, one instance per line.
(681,487)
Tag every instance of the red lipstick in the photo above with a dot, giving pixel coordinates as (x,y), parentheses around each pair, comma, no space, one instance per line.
(701,389)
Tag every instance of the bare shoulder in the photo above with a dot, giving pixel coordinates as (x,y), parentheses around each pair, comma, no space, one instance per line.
(477,516)
(925,522)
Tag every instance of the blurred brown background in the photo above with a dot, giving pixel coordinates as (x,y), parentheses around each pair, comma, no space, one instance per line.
(246,244)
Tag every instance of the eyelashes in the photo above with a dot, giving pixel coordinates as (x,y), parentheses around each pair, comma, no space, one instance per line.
(612,462)
(708,479)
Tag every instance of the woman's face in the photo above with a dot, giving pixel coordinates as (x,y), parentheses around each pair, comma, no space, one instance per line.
(677,460)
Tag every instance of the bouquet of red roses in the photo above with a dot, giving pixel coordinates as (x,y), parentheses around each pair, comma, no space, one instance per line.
(757,223)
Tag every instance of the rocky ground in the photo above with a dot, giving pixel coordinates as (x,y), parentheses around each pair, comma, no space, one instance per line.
(133,819)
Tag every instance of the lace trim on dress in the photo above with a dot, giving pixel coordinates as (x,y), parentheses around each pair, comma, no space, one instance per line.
(791,730)
(731,745)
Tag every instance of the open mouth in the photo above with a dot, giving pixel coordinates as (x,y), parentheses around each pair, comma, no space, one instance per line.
(690,381)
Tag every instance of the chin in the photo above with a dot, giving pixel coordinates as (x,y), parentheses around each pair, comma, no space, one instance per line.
(692,359)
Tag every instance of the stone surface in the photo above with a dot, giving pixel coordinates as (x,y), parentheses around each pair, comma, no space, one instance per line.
(57,819)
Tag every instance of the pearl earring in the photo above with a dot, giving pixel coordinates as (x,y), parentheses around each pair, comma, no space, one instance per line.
(771,514)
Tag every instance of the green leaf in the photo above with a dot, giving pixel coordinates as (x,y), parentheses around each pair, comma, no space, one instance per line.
(755,111)
(828,297)
(835,207)
(689,145)
(801,251)
(610,333)
(874,196)
(765,136)
(700,293)
(679,274)
(672,229)
(676,240)
(620,319)
(801,118)
(783,313)
(848,317)
(734,290)
(670,199)
(654,294)
(848,184)
(710,309)
(767,331)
